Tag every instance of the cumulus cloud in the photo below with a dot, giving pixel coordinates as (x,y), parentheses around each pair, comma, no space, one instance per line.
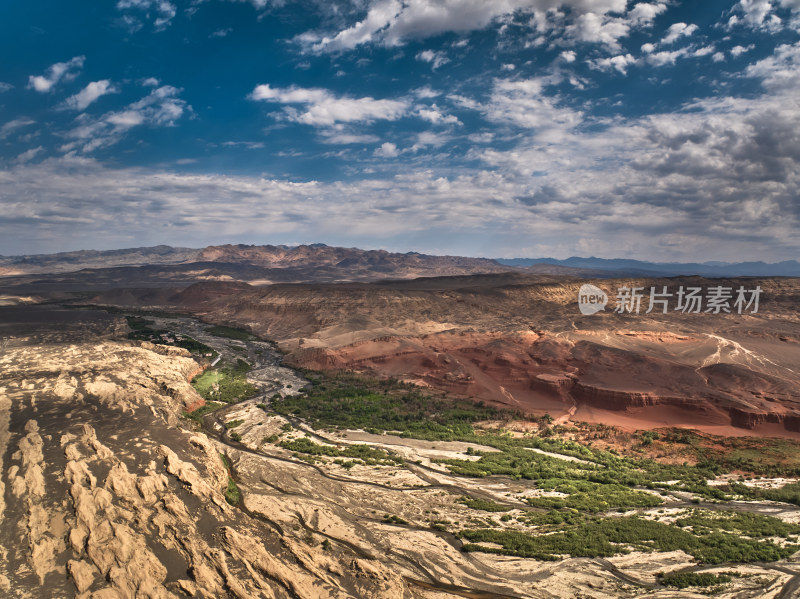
(716,176)
(387,150)
(427,139)
(89,94)
(644,13)
(620,63)
(161,11)
(426,92)
(678,30)
(597,28)
(392,22)
(322,108)
(666,57)
(739,50)
(756,14)
(781,71)
(434,115)
(435,58)
(60,71)
(523,103)
(732,164)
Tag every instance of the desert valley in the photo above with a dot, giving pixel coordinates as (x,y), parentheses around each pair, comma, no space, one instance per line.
(261,421)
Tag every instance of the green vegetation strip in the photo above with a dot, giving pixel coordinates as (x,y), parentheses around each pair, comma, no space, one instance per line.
(579,496)
(350,401)
(230,333)
(605,537)
(227,384)
(142,331)
(364,454)
(685,580)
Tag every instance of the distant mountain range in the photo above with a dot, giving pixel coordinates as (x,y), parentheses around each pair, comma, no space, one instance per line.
(162,266)
(264,264)
(625,267)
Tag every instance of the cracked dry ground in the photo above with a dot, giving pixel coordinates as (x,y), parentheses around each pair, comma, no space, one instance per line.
(104,495)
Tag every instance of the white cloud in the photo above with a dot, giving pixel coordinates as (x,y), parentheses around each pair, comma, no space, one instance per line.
(522,103)
(151,82)
(761,14)
(89,94)
(4,87)
(716,177)
(645,13)
(435,58)
(221,32)
(739,50)
(718,57)
(781,71)
(436,116)
(163,11)
(160,108)
(568,56)
(29,155)
(387,150)
(66,71)
(322,108)
(11,126)
(597,28)
(757,12)
(334,137)
(426,93)
(703,51)
(618,63)
(250,145)
(429,139)
(678,30)
(666,57)
(391,22)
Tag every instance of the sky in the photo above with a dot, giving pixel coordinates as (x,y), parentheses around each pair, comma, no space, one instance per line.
(663,130)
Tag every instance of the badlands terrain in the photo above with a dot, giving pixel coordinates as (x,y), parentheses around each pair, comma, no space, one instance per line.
(468,434)
(518,340)
(109,491)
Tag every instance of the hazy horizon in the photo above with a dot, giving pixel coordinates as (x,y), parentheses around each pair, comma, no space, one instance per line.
(408,251)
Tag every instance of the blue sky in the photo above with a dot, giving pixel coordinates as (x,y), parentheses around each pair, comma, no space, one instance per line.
(654,130)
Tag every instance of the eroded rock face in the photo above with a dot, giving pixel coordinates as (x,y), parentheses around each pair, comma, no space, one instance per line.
(520,341)
(109,496)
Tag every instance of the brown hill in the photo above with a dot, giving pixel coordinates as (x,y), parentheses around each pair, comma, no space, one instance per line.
(519,340)
(258,264)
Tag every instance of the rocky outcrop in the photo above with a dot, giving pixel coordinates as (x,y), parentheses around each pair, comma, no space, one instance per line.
(113,498)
